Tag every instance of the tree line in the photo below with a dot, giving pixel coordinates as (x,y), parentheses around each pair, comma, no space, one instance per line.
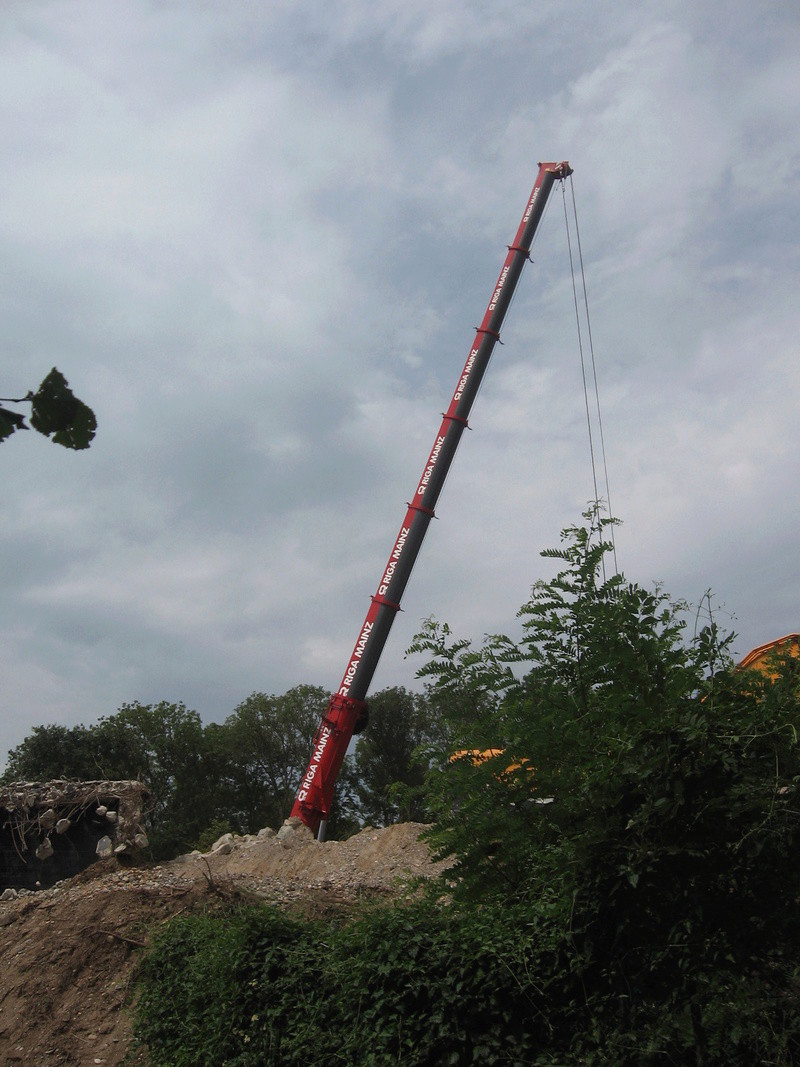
(242,774)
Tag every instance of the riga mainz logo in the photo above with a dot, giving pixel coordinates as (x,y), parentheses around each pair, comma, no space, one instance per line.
(426,477)
(498,290)
(358,652)
(531,202)
(462,385)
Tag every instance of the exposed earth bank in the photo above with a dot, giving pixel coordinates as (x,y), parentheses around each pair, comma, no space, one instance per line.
(69,953)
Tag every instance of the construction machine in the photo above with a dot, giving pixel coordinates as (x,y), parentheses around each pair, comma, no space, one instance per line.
(346,713)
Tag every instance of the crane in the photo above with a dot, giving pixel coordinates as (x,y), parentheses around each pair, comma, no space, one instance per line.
(346,713)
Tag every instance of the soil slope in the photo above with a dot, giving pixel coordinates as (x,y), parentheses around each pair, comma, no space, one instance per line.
(69,953)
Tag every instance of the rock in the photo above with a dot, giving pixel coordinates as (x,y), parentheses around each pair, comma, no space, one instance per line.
(120,849)
(101,809)
(141,840)
(45,850)
(266,832)
(47,819)
(226,839)
(105,848)
(294,832)
(224,848)
(112,817)
(62,826)
(8,894)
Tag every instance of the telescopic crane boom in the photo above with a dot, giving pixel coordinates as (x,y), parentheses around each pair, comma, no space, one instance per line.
(347,710)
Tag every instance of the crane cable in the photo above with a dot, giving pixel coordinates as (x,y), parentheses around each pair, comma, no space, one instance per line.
(583,366)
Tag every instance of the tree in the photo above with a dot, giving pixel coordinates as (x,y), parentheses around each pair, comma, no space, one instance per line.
(640,816)
(51,752)
(266,743)
(55,412)
(390,763)
(163,745)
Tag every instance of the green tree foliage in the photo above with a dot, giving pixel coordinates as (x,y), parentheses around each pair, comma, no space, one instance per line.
(391,756)
(51,752)
(626,888)
(55,412)
(663,873)
(163,745)
(414,985)
(267,741)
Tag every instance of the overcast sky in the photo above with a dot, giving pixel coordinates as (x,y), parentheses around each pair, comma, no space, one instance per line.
(257,238)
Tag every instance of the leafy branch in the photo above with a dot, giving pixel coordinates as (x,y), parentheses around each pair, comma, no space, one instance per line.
(55,412)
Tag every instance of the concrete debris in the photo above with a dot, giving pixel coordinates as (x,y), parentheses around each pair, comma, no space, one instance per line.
(294,832)
(81,813)
(105,848)
(45,850)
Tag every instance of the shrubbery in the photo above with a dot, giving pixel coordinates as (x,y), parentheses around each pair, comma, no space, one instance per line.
(416,984)
(626,887)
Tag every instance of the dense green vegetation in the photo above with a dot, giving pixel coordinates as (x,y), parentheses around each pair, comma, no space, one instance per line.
(627,886)
(241,774)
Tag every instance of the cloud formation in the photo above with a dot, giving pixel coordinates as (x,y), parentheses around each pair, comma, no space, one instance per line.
(256,242)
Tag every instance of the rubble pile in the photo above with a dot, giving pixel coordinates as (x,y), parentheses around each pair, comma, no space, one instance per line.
(69,950)
(52,830)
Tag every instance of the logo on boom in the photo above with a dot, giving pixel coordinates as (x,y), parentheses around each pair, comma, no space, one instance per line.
(426,477)
(355,659)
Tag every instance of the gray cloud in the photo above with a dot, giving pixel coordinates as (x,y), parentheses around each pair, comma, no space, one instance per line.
(257,241)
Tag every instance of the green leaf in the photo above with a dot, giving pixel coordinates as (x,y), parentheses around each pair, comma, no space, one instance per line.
(56,412)
(9,422)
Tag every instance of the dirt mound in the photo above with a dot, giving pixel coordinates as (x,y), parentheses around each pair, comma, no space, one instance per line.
(69,952)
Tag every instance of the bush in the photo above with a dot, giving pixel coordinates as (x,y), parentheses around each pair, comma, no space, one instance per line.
(418,985)
(649,913)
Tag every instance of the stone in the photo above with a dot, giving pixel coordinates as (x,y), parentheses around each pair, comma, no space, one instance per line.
(224,840)
(293,832)
(224,848)
(8,894)
(141,840)
(112,817)
(45,850)
(47,819)
(62,826)
(101,809)
(267,831)
(105,848)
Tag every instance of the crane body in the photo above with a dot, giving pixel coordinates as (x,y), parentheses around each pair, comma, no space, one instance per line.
(347,711)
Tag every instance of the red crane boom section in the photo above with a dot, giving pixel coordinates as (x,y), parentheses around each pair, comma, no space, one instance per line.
(346,710)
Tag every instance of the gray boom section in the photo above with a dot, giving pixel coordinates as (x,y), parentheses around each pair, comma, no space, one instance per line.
(386,604)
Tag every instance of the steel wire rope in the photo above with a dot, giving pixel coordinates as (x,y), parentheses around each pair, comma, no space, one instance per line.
(594,375)
(583,376)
